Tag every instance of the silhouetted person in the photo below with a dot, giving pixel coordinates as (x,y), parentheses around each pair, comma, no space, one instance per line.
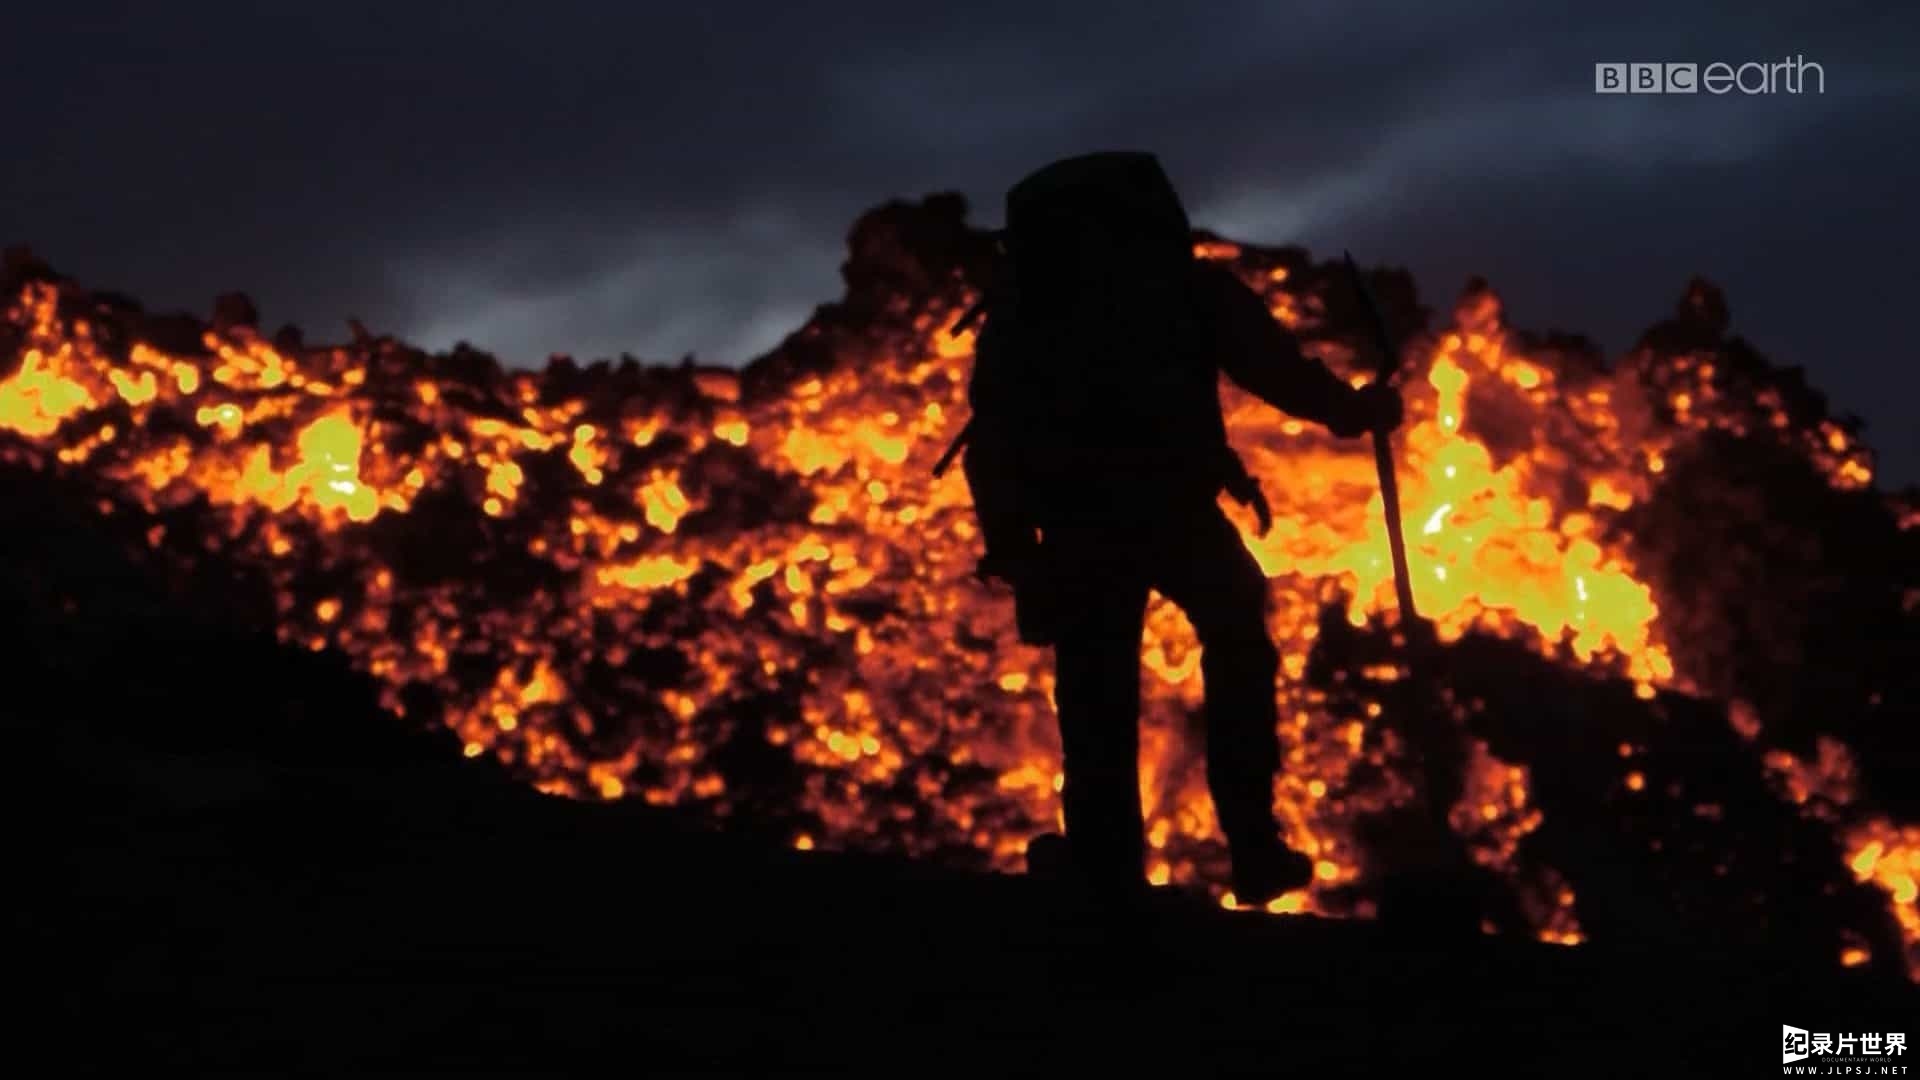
(1096,458)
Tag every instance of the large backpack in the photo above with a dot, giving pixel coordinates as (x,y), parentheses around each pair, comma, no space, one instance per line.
(1088,398)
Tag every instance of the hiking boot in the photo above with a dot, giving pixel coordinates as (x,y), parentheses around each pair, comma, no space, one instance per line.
(1269,872)
(1052,860)
(1048,857)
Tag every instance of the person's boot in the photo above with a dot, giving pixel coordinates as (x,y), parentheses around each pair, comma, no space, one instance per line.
(1080,877)
(1049,858)
(1265,872)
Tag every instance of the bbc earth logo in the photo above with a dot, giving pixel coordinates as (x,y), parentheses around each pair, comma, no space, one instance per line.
(1792,75)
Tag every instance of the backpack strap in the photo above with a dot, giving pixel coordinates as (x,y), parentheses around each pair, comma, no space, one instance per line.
(989,296)
(953,449)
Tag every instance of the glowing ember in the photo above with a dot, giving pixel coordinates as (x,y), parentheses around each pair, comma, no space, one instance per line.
(708,566)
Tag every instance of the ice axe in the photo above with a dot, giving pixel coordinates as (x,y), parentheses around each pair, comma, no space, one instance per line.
(1387,365)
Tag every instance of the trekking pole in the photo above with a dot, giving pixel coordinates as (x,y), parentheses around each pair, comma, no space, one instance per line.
(1438,744)
(1387,364)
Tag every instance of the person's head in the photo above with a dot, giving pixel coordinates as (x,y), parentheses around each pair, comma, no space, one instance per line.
(1095,221)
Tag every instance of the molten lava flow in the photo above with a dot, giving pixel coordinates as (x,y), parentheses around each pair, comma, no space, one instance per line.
(1877,850)
(1889,856)
(701,573)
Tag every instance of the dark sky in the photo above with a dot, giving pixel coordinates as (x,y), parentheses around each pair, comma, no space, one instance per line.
(662,179)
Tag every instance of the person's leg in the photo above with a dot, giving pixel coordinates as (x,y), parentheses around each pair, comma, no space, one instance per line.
(1209,573)
(1097,694)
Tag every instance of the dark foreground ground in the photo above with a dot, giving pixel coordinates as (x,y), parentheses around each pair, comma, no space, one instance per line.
(231,862)
(213,913)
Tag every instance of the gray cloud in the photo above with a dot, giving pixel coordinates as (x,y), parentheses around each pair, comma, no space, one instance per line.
(664,179)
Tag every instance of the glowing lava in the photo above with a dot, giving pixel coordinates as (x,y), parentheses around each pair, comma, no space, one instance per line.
(704,569)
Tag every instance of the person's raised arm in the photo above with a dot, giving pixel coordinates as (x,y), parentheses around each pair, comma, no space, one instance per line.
(1263,358)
